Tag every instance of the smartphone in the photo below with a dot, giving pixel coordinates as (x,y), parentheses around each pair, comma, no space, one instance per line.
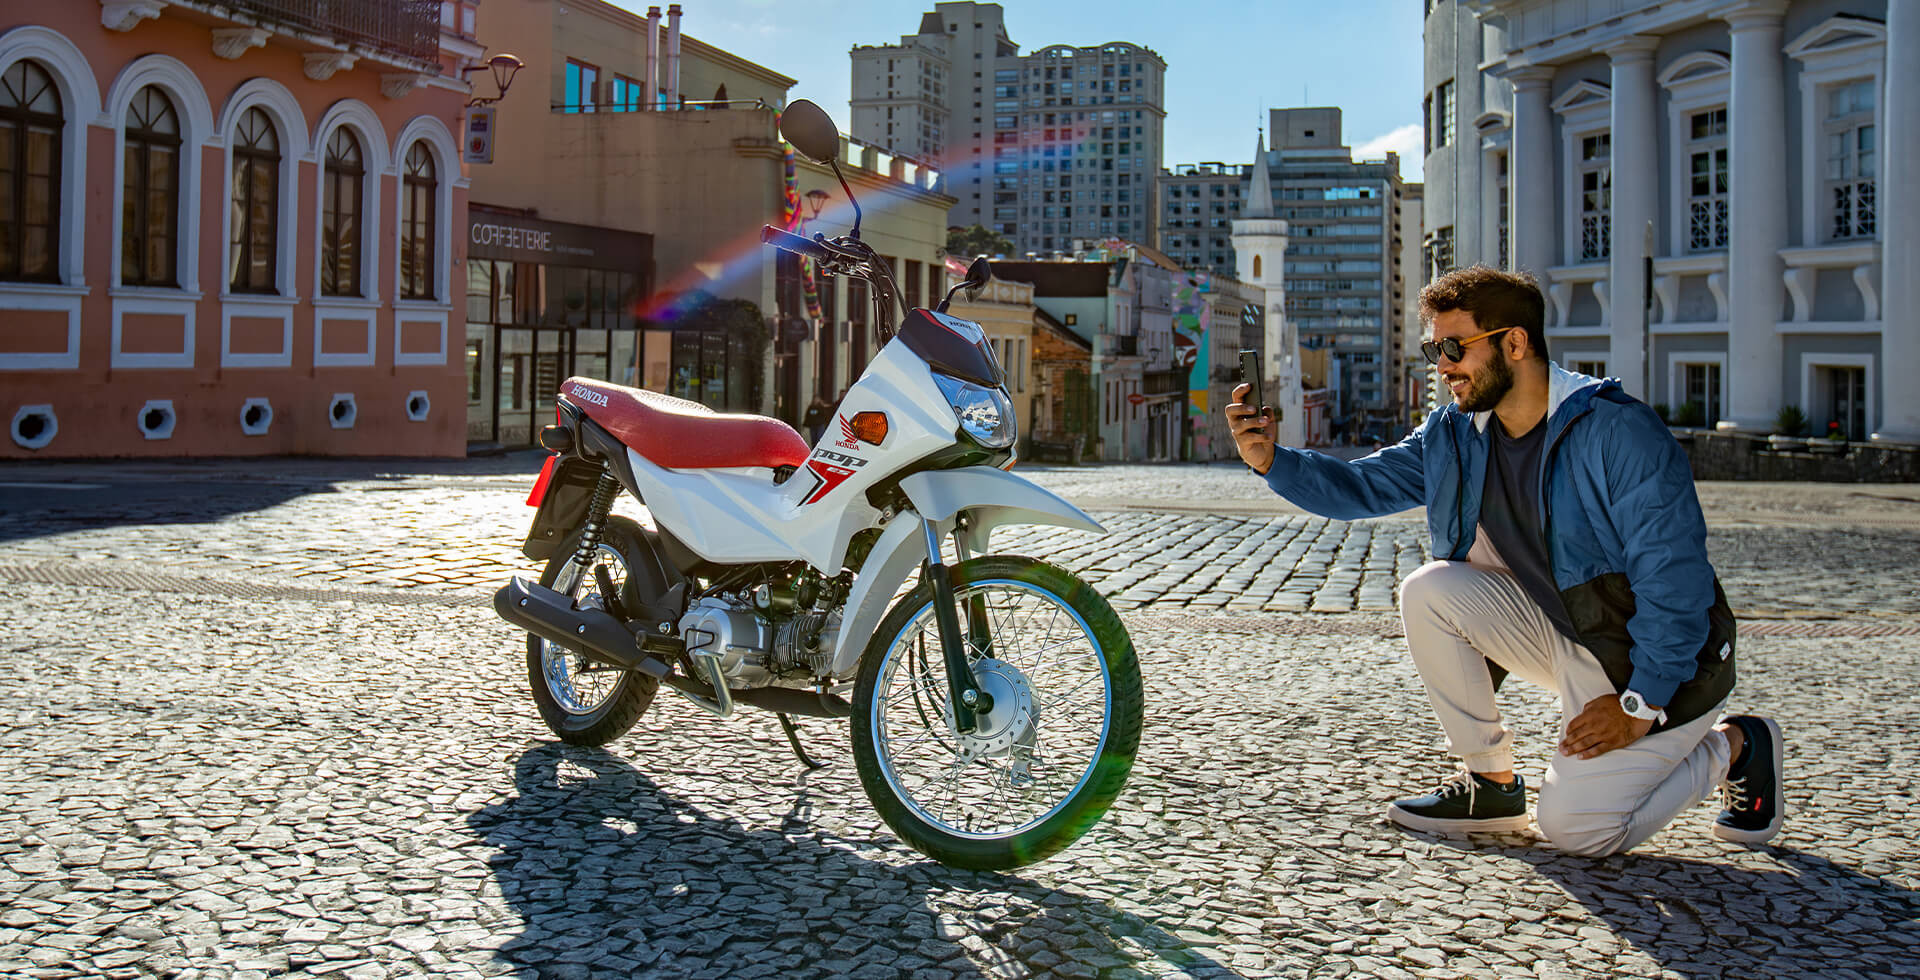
(1250,373)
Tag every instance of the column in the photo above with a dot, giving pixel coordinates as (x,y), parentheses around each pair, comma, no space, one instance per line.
(1757,209)
(1636,183)
(1899,176)
(1531,176)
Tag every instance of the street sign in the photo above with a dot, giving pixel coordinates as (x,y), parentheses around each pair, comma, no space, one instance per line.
(477,146)
(1136,399)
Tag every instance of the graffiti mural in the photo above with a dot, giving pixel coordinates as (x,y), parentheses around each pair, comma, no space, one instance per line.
(1190,345)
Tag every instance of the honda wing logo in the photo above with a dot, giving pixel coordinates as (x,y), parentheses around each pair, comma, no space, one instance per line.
(847,439)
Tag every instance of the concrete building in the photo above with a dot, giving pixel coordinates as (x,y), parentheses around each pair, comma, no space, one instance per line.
(1420,390)
(230,229)
(616,232)
(1765,154)
(1198,203)
(1049,148)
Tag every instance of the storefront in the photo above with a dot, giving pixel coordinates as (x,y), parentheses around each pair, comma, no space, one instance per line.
(546,301)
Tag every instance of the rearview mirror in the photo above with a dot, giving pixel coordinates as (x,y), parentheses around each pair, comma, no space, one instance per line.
(979,273)
(810,130)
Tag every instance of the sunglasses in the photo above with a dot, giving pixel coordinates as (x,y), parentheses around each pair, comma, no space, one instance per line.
(1452,349)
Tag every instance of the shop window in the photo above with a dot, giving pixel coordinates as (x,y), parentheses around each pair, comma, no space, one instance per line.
(340,216)
(420,190)
(149,193)
(31,118)
(253,252)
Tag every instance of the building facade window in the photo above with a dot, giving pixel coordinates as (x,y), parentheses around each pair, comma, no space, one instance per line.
(1596,197)
(1850,164)
(1702,389)
(340,215)
(1439,254)
(1707,180)
(1443,107)
(1501,217)
(150,191)
(31,119)
(420,188)
(581,79)
(253,253)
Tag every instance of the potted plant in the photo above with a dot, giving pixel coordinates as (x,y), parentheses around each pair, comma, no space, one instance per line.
(1835,441)
(1788,426)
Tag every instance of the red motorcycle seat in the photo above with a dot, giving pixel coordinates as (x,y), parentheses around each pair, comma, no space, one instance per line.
(685,435)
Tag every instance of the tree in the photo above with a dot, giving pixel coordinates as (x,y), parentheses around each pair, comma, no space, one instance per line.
(965,243)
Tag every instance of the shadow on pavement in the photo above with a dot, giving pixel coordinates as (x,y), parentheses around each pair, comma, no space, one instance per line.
(39,507)
(614,877)
(1806,916)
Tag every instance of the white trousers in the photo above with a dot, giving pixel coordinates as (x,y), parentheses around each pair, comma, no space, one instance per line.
(1459,615)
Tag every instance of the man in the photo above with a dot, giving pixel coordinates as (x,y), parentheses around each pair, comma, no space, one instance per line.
(1572,553)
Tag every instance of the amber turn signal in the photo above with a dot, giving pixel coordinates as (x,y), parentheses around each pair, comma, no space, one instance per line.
(870,427)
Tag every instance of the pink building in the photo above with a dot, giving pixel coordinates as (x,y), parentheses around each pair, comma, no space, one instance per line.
(227,227)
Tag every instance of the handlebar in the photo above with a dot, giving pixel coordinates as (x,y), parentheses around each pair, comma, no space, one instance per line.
(790,242)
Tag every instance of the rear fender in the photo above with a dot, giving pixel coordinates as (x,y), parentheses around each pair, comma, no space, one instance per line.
(985,496)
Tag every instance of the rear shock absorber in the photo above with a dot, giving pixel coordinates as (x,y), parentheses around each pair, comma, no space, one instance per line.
(596,525)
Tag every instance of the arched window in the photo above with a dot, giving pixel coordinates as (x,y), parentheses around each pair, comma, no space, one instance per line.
(1256,267)
(253,254)
(340,220)
(420,189)
(150,191)
(30,124)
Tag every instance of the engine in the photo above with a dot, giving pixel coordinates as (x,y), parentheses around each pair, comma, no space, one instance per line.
(757,649)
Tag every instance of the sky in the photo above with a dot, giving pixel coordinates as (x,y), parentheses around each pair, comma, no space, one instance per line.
(1227,62)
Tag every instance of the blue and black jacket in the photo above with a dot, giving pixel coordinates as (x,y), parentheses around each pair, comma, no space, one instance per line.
(1625,535)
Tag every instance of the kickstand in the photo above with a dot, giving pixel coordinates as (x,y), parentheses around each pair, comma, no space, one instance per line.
(793,739)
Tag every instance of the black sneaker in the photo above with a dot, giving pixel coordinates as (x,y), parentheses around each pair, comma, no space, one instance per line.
(1755,808)
(1467,803)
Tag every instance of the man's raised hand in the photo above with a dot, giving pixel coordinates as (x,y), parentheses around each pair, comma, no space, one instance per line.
(1253,430)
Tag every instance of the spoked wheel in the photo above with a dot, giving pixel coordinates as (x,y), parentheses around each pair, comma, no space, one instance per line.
(583,701)
(1049,756)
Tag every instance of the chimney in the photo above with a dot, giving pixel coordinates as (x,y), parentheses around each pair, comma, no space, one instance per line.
(673,56)
(650,83)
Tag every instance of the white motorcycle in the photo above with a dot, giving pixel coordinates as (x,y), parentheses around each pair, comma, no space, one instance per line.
(996,706)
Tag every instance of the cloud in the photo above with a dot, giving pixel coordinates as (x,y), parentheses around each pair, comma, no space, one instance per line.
(1404,140)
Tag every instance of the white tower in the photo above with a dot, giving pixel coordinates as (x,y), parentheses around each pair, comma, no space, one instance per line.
(1260,251)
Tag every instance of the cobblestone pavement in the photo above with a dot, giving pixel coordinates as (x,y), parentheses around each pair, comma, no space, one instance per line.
(257,725)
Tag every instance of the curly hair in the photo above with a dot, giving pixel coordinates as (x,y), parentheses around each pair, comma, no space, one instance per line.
(1493,298)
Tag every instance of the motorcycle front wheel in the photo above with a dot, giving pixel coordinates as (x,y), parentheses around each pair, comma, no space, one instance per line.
(1049,756)
(582,701)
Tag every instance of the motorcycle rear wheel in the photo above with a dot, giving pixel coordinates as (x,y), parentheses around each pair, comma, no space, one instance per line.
(583,702)
(1051,755)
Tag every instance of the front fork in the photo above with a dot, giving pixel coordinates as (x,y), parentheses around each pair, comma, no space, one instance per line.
(968,699)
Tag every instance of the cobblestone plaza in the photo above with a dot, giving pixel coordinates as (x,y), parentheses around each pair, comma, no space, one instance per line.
(259,720)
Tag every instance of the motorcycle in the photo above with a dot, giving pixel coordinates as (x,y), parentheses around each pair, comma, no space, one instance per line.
(995,706)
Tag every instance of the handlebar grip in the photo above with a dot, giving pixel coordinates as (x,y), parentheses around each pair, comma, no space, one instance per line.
(794,243)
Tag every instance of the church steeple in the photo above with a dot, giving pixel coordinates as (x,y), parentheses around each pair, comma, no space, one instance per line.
(1260,195)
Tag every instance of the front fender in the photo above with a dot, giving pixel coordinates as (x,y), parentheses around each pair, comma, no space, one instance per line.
(989,497)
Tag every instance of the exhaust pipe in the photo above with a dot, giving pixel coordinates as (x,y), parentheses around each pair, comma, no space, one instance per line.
(552,616)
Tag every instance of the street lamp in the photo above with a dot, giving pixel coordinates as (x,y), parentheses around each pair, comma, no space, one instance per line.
(816,200)
(504,66)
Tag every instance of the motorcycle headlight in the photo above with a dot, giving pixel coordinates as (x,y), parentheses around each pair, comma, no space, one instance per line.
(985,414)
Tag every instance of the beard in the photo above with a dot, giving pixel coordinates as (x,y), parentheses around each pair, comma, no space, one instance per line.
(1486,388)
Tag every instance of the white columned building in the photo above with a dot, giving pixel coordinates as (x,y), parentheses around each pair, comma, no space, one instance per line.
(1774,145)
(1636,181)
(1900,231)
(1757,203)
(1533,177)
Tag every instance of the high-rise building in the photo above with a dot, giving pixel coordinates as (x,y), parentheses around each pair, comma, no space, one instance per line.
(1050,148)
(1764,155)
(1198,205)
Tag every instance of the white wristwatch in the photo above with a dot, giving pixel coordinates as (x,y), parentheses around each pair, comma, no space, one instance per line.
(1636,707)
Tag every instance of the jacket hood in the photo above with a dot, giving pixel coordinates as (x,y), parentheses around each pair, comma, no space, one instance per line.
(1566,389)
